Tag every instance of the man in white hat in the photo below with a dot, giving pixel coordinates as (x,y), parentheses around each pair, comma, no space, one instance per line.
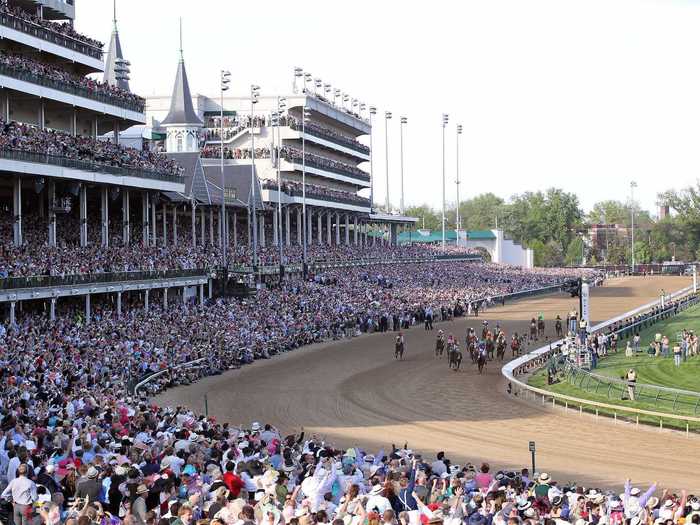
(633,499)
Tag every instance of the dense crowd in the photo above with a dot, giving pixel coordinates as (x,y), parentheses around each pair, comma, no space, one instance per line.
(214,152)
(324,132)
(295,155)
(314,190)
(63,28)
(16,136)
(23,65)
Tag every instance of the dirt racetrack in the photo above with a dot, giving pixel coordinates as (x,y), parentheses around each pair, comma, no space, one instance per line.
(354,393)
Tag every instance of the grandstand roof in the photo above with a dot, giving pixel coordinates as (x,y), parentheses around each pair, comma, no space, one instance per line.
(114,62)
(181,109)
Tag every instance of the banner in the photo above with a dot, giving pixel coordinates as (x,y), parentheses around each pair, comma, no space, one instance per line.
(585,303)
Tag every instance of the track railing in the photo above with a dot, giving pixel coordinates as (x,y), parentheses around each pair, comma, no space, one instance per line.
(535,359)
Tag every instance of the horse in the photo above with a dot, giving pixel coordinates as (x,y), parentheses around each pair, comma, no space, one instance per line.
(557,327)
(533,330)
(439,346)
(455,358)
(471,345)
(489,348)
(501,347)
(540,327)
(481,361)
(399,348)
(515,345)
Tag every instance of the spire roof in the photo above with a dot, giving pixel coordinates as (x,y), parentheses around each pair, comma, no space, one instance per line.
(116,68)
(181,108)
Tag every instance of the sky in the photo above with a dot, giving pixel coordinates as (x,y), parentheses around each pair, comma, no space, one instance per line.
(584,95)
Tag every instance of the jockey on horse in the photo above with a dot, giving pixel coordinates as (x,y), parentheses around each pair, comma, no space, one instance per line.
(399,346)
(515,344)
(533,329)
(490,346)
(481,358)
(440,344)
(557,326)
(454,356)
(501,346)
(540,325)
(485,329)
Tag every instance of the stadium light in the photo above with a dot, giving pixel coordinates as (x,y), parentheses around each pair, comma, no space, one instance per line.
(459,132)
(305,117)
(404,121)
(445,120)
(387,118)
(254,96)
(225,80)
(372,112)
(298,72)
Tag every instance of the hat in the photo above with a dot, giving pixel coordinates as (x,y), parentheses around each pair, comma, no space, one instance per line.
(668,503)
(556,501)
(544,478)
(369,458)
(141,489)
(635,492)
(592,493)
(92,473)
(524,505)
(376,490)
(373,469)
(190,470)
(193,437)
(50,468)
(165,463)
(255,426)
(636,520)
(654,501)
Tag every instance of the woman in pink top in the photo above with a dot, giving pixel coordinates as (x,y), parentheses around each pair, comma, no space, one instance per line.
(483,479)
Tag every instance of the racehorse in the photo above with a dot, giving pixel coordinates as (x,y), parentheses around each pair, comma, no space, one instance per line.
(481,361)
(455,358)
(489,346)
(439,345)
(399,347)
(501,346)
(533,330)
(557,327)
(515,345)
(540,327)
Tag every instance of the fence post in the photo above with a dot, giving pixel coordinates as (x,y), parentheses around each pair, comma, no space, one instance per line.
(596,413)
(637,420)
(580,410)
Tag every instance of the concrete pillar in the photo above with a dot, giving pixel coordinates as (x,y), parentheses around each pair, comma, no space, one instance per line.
(329,225)
(337,229)
(183,294)
(115,130)
(210,288)
(74,123)
(52,309)
(275,233)
(83,215)
(126,213)
(174,224)
(211,226)
(119,305)
(165,224)
(42,114)
(309,222)
(235,230)
(288,225)
(354,230)
(52,212)
(165,299)
(194,225)
(261,234)
(227,229)
(202,225)
(299,227)
(7,107)
(145,300)
(145,208)
(88,313)
(154,223)
(104,212)
(320,228)
(12,313)
(17,211)
(201,294)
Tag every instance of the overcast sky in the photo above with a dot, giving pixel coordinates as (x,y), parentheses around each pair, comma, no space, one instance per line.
(585,95)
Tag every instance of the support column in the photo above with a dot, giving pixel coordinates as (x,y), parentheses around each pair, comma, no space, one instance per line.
(52,213)
(309,226)
(126,214)
(210,290)
(145,300)
(174,224)
(165,224)
(7,106)
(337,229)
(235,230)
(194,225)
(119,305)
(211,226)
(42,114)
(83,215)
(52,310)
(145,209)
(12,313)
(202,226)
(154,223)
(329,224)
(165,299)
(320,228)
(275,233)
(88,313)
(115,130)
(104,211)
(347,229)
(74,123)
(261,235)
(17,211)
(354,231)
(299,227)
(288,225)
(227,229)
(201,294)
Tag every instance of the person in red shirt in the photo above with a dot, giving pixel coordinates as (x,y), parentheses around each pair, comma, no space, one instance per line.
(233,483)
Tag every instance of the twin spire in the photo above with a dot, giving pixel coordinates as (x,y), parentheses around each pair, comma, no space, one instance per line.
(116,68)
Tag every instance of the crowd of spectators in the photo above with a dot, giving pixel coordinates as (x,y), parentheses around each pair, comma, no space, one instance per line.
(15,64)
(62,28)
(16,136)
(295,155)
(233,125)
(313,190)
(321,131)
(214,152)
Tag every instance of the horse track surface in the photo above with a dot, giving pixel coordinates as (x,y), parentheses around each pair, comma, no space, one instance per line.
(353,392)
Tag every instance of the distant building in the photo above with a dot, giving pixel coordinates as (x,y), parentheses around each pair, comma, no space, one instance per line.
(600,236)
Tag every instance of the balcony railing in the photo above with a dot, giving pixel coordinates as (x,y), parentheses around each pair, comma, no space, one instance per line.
(356,201)
(46,281)
(32,29)
(29,156)
(137,106)
(320,132)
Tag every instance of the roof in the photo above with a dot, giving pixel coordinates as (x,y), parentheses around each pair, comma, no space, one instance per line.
(116,71)
(238,184)
(480,235)
(436,236)
(181,108)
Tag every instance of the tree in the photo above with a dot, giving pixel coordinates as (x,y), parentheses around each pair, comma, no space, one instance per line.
(574,252)
(427,218)
(480,212)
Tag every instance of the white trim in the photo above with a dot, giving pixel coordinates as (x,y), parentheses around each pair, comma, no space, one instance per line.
(270,196)
(292,134)
(293,166)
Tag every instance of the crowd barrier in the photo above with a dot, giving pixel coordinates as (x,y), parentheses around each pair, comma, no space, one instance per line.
(535,359)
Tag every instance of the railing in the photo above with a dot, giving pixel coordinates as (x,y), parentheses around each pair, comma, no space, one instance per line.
(45,281)
(32,29)
(357,201)
(540,357)
(156,375)
(66,87)
(312,162)
(64,162)
(339,139)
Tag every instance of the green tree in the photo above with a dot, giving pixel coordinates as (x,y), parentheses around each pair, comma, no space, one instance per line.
(574,252)
(427,217)
(480,212)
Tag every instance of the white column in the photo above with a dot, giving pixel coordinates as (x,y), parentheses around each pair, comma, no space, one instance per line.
(299,227)
(12,313)
(320,228)
(288,225)
(329,223)
(52,213)
(74,123)
(202,226)
(261,234)
(354,230)
(337,229)
(154,224)
(165,299)
(145,210)
(17,211)
(235,230)
(83,215)
(104,211)
(174,224)
(88,313)
(52,311)
(275,233)
(309,225)
(145,300)
(194,225)
(201,294)
(211,226)
(126,230)
(119,305)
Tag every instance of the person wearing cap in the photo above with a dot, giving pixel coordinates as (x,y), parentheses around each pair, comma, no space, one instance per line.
(542,487)
(138,507)
(88,486)
(22,492)
(632,498)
